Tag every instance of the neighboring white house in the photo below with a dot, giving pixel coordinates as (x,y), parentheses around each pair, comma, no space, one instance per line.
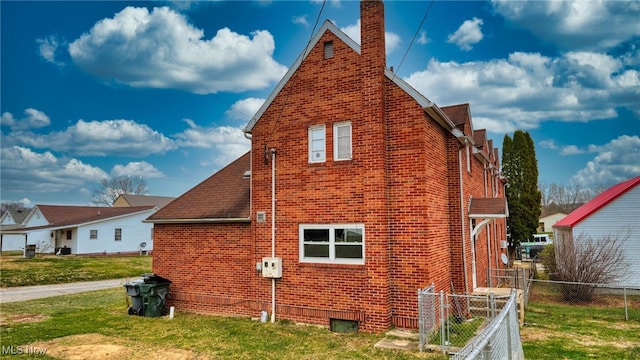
(545,223)
(86,229)
(614,211)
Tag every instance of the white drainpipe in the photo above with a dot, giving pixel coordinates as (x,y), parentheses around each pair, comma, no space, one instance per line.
(273,231)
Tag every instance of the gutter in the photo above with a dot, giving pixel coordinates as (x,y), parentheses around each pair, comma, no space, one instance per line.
(196,221)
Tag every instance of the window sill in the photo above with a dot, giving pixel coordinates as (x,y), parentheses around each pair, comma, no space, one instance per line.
(330,265)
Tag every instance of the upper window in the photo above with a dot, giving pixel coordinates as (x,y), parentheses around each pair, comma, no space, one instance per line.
(342,141)
(118,234)
(317,146)
(332,243)
(93,234)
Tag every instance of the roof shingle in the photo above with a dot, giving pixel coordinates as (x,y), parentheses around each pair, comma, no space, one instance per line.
(223,196)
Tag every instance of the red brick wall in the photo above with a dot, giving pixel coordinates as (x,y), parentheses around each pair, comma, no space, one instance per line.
(403,183)
(210,266)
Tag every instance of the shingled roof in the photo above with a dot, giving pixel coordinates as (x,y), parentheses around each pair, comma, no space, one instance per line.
(488,208)
(59,216)
(144,200)
(223,197)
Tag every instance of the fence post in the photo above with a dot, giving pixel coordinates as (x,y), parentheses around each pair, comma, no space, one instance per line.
(626,310)
(420,321)
(492,302)
(442,322)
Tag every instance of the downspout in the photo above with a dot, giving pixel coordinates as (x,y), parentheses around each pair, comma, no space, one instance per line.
(273,231)
(464,253)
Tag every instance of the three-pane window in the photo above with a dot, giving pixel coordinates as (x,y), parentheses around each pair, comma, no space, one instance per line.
(317,147)
(342,141)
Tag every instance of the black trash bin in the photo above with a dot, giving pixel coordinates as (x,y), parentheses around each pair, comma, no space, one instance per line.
(148,295)
(29,251)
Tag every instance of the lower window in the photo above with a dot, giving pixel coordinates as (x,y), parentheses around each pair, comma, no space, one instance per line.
(332,243)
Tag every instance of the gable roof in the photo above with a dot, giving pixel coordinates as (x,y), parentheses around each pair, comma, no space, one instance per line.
(428,106)
(145,200)
(597,203)
(16,215)
(59,216)
(488,208)
(223,197)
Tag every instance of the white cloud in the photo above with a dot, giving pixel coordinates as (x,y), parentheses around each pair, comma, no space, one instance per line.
(527,88)
(160,49)
(47,48)
(24,170)
(101,138)
(392,40)
(302,20)
(467,35)
(142,169)
(34,119)
(244,109)
(615,161)
(422,38)
(575,24)
(229,142)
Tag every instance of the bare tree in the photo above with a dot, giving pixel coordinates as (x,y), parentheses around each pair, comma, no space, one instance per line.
(111,188)
(10,205)
(587,260)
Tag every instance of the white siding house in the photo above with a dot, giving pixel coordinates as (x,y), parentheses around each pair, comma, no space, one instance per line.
(614,212)
(86,230)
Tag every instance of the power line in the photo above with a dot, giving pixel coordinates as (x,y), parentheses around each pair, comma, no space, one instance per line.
(293,79)
(424,18)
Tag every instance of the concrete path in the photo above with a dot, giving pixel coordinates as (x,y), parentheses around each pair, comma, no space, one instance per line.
(23,293)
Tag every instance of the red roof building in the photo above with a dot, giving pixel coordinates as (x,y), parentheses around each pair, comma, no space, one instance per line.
(613,213)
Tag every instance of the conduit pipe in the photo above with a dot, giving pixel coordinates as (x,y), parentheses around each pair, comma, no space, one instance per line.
(273,231)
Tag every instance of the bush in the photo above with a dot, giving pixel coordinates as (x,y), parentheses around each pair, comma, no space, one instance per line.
(587,261)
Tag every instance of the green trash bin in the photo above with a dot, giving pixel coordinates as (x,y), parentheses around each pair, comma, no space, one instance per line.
(153,298)
(148,295)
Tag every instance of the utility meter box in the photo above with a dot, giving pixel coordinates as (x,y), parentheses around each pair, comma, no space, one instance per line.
(272,267)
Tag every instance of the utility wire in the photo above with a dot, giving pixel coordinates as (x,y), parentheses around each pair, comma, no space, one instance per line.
(424,18)
(286,100)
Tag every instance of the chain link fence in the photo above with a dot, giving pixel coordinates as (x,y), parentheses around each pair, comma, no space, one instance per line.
(467,325)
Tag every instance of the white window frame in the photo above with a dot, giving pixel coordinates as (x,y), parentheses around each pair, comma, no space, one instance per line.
(93,234)
(317,155)
(332,244)
(336,153)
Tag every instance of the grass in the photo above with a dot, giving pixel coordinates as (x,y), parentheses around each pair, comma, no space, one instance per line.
(95,321)
(557,330)
(51,269)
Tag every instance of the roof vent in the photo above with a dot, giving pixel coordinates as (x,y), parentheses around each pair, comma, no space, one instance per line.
(328,49)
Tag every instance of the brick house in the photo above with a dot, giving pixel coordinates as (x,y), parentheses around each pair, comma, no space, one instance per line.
(364,188)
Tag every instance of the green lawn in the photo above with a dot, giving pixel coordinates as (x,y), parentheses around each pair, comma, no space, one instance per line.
(51,269)
(90,324)
(557,330)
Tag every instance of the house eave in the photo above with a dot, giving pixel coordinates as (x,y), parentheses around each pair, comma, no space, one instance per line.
(198,221)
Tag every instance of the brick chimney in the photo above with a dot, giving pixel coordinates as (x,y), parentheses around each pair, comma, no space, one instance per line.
(372,32)
(373,156)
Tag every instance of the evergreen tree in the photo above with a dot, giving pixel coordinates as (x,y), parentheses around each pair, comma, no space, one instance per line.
(520,166)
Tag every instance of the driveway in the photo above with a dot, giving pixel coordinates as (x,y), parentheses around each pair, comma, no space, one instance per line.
(23,293)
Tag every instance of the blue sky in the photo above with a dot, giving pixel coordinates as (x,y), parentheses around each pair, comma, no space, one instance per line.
(163,89)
